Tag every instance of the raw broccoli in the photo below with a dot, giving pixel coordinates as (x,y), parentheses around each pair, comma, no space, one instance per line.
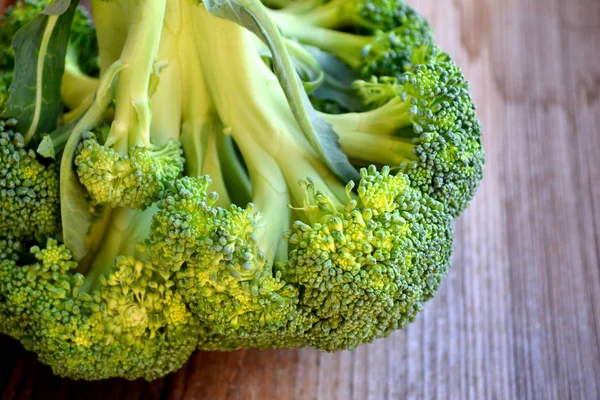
(126,323)
(205,204)
(425,124)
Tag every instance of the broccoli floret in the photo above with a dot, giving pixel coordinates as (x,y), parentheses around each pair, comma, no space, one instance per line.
(132,325)
(29,188)
(132,180)
(365,267)
(113,171)
(425,125)
(223,260)
(385,51)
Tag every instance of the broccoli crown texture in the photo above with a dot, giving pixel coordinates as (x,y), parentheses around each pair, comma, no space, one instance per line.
(192,197)
(29,198)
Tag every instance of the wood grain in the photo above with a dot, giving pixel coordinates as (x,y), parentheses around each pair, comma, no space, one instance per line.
(519,315)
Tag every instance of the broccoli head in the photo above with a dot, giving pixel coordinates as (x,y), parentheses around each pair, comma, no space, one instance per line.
(193,198)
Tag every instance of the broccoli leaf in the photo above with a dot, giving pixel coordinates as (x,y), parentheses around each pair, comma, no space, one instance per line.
(338,81)
(51,144)
(59,7)
(251,15)
(40,48)
(307,67)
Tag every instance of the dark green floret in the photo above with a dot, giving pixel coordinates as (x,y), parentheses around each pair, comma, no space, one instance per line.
(131,326)
(29,198)
(423,124)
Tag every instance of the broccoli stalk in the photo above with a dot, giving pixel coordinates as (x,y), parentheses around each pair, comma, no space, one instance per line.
(268,133)
(77,88)
(131,125)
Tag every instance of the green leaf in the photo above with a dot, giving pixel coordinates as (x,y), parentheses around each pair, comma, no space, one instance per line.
(338,82)
(59,7)
(40,48)
(307,67)
(51,145)
(252,15)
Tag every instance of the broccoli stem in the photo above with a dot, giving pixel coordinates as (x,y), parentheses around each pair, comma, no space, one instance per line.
(346,46)
(76,87)
(270,197)
(383,121)
(235,76)
(167,103)
(385,150)
(332,15)
(197,105)
(131,126)
(382,136)
(111,30)
(250,101)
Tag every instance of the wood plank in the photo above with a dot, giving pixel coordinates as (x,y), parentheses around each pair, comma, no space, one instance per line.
(518,317)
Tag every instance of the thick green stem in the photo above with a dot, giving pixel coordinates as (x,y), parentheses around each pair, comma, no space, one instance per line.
(346,46)
(372,149)
(250,100)
(387,120)
(197,105)
(133,116)
(376,136)
(111,25)
(167,104)
(269,196)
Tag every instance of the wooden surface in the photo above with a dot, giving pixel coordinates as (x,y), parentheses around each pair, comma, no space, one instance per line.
(519,315)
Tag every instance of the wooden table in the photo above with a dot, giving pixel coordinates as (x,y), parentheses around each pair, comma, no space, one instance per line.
(519,315)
